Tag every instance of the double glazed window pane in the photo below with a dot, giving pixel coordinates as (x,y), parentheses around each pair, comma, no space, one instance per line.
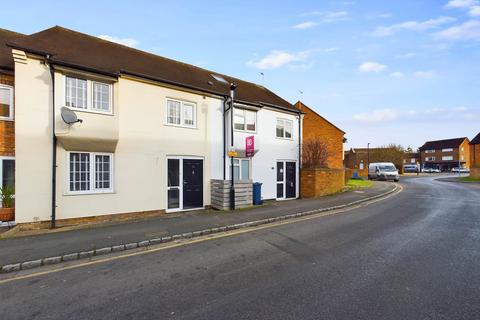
(101,96)
(245,164)
(79,171)
(239,119)
(188,114)
(288,129)
(173,109)
(284,129)
(8,170)
(76,93)
(5,101)
(102,172)
(280,129)
(173,183)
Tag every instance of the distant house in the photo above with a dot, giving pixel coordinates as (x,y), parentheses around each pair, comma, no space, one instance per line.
(359,158)
(446,154)
(475,156)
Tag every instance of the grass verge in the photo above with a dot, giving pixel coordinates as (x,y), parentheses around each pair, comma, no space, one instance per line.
(354,184)
(469,179)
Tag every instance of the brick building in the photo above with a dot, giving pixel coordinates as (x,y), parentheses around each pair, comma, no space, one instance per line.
(317,127)
(7,111)
(475,156)
(359,158)
(446,154)
(321,181)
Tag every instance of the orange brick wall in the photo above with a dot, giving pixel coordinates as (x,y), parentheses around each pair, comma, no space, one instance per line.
(321,182)
(316,127)
(475,155)
(7,128)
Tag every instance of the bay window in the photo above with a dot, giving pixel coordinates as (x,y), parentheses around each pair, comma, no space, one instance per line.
(88,95)
(90,172)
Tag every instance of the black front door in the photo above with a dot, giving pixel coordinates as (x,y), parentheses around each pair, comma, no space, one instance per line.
(192,183)
(290,180)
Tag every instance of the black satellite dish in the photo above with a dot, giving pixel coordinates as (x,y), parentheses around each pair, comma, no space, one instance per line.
(68,116)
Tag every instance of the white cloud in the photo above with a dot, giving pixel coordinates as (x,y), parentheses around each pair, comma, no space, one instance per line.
(124,41)
(329,16)
(424,74)
(276,59)
(397,74)
(384,31)
(383,115)
(371,66)
(461,3)
(474,11)
(422,114)
(305,25)
(469,30)
(407,55)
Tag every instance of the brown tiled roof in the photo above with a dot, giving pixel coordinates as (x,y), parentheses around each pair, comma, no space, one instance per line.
(78,50)
(301,106)
(6,59)
(476,140)
(442,144)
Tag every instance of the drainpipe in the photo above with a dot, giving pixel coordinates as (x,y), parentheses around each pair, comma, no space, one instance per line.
(299,153)
(54,147)
(232,185)
(224,130)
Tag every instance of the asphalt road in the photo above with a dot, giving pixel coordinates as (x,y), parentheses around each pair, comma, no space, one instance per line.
(415,255)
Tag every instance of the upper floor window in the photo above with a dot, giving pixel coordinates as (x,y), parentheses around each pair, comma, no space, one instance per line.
(181,113)
(447,158)
(88,95)
(447,150)
(6,102)
(245,120)
(284,128)
(430,151)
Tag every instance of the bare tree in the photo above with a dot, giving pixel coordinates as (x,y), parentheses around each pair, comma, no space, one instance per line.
(315,154)
(394,153)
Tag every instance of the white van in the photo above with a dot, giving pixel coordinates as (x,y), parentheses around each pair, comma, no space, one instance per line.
(383,171)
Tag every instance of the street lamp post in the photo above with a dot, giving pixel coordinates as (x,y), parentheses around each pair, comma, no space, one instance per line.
(368,156)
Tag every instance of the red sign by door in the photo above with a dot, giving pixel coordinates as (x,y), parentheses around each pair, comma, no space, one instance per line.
(249,146)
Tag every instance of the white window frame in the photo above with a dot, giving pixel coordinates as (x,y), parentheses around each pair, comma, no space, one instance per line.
(180,181)
(430,151)
(447,150)
(285,121)
(1,171)
(240,168)
(10,112)
(92,189)
(447,158)
(90,95)
(182,119)
(244,120)
(430,159)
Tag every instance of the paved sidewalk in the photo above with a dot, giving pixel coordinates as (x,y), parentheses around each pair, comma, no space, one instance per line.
(19,249)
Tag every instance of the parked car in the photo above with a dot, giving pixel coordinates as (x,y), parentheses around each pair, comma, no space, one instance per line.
(460,170)
(410,168)
(431,170)
(383,171)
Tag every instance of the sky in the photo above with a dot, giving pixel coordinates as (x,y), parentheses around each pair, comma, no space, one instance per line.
(398,71)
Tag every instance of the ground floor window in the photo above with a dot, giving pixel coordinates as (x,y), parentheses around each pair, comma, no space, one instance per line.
(241,169)
(90,172)
(7,173)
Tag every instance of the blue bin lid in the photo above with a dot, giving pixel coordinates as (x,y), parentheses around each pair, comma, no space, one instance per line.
(257,183)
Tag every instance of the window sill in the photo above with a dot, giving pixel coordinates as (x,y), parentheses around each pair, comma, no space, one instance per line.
(180,126)
(85,193)
(288,139)
(6,119)
(245,131)
(91,111)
